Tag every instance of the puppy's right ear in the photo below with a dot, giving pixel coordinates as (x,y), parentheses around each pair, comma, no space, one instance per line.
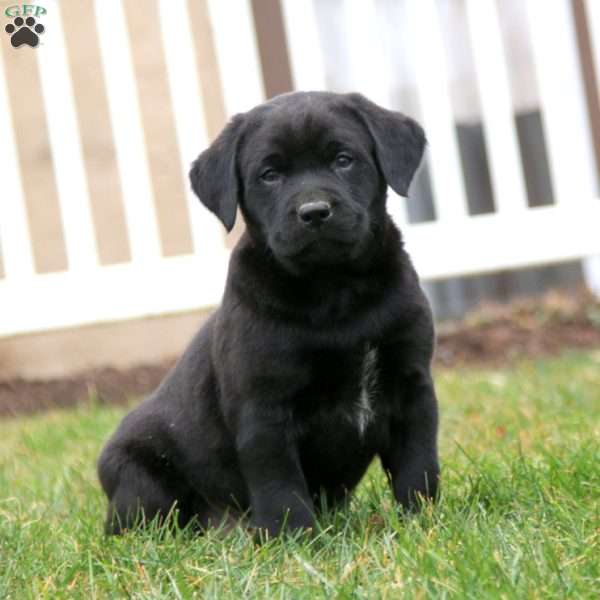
(399,141)
(214,175)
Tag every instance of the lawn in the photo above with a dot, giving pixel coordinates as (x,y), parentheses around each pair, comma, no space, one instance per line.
(518,516)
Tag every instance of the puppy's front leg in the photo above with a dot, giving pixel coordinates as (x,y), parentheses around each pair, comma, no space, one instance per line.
(271,467)
(411,456)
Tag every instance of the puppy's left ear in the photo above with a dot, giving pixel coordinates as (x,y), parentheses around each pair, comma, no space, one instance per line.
(399,141)
(214,175)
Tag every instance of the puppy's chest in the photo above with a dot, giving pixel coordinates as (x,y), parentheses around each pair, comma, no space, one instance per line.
(344,394)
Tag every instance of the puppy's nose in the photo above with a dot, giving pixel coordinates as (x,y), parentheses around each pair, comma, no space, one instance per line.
(314,213)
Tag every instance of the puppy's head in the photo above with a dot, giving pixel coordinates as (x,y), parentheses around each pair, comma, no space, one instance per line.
(309,171)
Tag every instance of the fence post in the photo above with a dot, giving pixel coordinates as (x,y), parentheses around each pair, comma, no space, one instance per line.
(591,274)
(591,266)
(15,241)
(569,141)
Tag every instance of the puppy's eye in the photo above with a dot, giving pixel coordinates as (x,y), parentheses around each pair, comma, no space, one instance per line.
(270,176)
(343,161)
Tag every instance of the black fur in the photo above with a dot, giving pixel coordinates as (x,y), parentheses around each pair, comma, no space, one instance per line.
(264,411)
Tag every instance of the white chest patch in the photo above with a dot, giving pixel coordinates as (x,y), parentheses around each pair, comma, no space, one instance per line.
(364,411)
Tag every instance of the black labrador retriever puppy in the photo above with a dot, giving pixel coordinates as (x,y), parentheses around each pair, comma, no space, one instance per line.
(319,357)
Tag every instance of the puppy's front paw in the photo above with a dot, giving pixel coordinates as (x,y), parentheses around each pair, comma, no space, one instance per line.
(411,492)
(289,523)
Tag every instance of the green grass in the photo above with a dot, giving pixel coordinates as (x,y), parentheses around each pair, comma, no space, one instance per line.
(518,516)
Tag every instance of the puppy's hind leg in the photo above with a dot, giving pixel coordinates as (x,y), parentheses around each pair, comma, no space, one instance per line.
(137,500)
(136,496)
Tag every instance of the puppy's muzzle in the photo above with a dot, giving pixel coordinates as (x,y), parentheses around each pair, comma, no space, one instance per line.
(314,214)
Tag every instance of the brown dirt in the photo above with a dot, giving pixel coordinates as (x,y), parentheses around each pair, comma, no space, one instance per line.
(495,335)
(110,386)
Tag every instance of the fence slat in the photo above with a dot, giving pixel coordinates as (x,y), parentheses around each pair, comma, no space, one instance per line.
(360,21)
(128,133)
(237,54)
(431,73)
(499,125)
(15,240)
(369,67)
(591,266)
(188,110)
(304,46)
(67,155)
(564,112)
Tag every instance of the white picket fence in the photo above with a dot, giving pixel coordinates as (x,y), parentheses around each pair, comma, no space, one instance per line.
(454,244)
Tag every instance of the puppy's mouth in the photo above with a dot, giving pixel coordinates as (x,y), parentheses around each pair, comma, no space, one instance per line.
(319,247)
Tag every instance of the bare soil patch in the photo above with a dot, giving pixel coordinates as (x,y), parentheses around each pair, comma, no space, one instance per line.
(498,334)
(494,335)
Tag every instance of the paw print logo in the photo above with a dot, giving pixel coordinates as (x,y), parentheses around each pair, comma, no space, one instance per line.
(24,32)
